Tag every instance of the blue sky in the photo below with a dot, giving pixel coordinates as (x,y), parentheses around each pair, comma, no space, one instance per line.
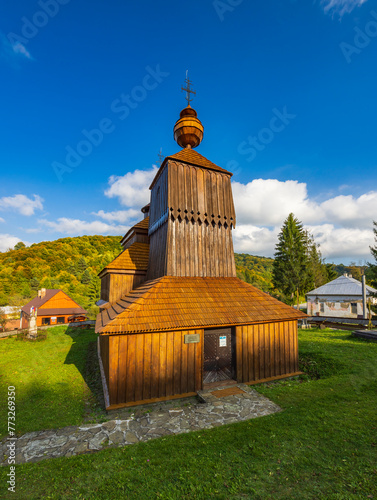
(286,91)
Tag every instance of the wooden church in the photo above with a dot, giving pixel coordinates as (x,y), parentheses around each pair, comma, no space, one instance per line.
(174,316)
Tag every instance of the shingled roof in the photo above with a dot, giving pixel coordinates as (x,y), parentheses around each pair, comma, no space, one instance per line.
(135,257)
(143,224)
(192,157)
(173,302)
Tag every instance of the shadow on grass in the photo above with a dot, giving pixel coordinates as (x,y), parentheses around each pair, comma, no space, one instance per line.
(84,356)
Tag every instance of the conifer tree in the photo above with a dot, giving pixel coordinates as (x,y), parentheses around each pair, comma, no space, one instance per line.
(86,277)
(316,269)
(331,273)
(81,265)
(290,274)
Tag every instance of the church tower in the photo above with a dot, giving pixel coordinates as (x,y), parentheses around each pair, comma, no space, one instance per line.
(191,213)
(174,317)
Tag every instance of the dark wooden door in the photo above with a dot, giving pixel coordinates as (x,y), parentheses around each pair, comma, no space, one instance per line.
(218,355)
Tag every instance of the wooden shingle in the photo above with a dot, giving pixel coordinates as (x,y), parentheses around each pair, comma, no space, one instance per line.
(171,303)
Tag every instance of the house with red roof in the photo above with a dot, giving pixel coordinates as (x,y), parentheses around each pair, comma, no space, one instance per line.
(53,307)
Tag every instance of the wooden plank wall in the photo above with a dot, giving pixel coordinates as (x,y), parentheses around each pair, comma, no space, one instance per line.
(158,253)
(159,197)
(199,249)
(266,350)
(104,350)
(150,366)
(203,193)
(105,287)
(197,239)
(121,283)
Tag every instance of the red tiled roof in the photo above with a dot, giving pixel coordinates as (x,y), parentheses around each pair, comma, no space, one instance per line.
(171,302)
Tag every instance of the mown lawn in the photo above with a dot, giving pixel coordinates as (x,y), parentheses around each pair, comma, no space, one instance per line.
(322,446)
(50,377)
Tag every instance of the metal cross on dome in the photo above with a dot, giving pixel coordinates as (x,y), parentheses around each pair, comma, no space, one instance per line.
(188,89)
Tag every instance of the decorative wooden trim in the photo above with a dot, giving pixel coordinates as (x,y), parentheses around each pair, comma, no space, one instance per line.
(271,379)
(153,400)
(103,378)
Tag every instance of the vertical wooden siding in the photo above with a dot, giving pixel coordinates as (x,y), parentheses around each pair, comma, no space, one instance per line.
(157,253)
(200,193)
(104,350)
(121,283)
(196,240)
(153,365)
(266,350)
(159,198)
(199,249)
(105,287)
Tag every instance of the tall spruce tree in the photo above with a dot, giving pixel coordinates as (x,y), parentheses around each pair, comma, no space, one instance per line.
(290,268)
(316,268)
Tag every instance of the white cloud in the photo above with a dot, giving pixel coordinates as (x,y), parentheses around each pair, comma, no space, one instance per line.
(341,7)
(21,204)
(342,225)
(272,201)
(350,211)
(76,227)
(132,189)
(255,240)
(11,51)
(2,220)
(7,241)
(122,216)
(343,242)
(18,48)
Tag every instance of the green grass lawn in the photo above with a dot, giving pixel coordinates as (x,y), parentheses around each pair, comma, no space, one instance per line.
(50,377)
(322,446)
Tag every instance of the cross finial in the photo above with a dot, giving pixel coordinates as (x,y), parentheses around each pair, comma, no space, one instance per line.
(160,157)
(188,89)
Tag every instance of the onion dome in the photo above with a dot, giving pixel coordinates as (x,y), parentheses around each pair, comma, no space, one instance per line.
(188,131)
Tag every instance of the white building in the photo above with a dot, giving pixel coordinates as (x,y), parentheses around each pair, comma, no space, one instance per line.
(342,297)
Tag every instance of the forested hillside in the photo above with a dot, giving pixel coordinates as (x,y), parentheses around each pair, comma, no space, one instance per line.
(72,264)
(255,270)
